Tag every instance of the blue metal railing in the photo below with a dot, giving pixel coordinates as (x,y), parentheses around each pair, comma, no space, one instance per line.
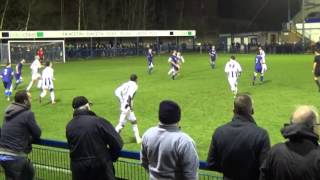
(51,161)
(123,154)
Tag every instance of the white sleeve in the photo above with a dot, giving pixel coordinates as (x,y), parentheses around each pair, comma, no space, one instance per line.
(239,68)
(52,77)
(38,65)
(132,89)
(182,59)
(31,66)
(226,68)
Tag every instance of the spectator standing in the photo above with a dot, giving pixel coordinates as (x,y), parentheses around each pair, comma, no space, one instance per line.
(167,152)
(239,147)
(94,144)
(18,131)
(298,158)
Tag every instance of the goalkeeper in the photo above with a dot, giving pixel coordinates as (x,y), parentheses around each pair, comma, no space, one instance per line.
(125,94)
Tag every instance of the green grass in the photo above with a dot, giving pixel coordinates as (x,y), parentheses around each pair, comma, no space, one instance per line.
(203,94)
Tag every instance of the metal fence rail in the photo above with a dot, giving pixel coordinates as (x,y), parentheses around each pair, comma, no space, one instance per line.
(51,161)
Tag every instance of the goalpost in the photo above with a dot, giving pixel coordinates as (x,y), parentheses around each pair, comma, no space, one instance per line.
(54,50)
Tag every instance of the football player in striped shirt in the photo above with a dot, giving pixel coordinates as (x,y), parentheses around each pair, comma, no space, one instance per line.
(47,82)
(233,71)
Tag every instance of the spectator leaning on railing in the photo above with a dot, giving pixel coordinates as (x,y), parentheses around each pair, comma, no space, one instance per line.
(167,153)
(239,147)
(299,157)
(18,131)
(94,144)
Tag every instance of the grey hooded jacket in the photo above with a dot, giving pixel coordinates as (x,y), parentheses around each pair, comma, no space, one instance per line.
(19,129)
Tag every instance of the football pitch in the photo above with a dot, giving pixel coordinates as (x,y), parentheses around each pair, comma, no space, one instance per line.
(203,94)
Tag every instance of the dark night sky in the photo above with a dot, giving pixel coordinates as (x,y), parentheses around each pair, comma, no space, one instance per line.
(207,16)
(272,12)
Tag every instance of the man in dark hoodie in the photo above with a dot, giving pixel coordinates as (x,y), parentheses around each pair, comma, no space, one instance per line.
(18,131)
(239,147)
(94,143)
(299,157)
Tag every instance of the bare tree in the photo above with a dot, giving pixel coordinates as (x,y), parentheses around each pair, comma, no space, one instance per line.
(79,14)
(84,17)
(29,6)
(4,13)
(61,14)
(144,13)
(181,14)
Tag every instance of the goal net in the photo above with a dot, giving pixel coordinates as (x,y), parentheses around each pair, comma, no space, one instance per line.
(53,50)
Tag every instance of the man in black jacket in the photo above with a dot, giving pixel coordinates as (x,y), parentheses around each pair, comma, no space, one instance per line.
(94,144)
(18,131)
(299,157)
(238,148)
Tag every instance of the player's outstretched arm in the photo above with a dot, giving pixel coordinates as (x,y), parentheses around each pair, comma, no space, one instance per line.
(314,67)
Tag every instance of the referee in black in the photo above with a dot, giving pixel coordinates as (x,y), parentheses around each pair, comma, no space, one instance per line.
(316,67)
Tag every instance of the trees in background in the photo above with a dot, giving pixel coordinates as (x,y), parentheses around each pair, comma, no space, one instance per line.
(96,14)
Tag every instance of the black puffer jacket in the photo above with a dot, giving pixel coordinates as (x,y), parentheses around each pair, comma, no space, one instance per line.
(238,148)
(92,137)
(19,129)
(296,159)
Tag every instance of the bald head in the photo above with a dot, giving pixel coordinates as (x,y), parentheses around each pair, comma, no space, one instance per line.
(305,114)
(243,105)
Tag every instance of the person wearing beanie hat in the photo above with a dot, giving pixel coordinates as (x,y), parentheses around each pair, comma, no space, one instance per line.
(94,144)
(166,151)
(125,94)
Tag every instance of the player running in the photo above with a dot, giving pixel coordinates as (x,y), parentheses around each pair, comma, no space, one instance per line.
(316,68)
(18,73)
(180,58)
(35,75)
(150,60)
(125,94)
(47,82)
(6,75)
(258,68)
(213,56)
(233,70)
(175,67)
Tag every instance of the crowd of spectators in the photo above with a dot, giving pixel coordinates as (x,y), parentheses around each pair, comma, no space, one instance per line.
(109,49)
(275,48)
(87,49)
(239,149)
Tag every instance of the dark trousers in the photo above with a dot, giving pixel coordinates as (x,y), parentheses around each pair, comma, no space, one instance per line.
(92,169)
(18,169)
